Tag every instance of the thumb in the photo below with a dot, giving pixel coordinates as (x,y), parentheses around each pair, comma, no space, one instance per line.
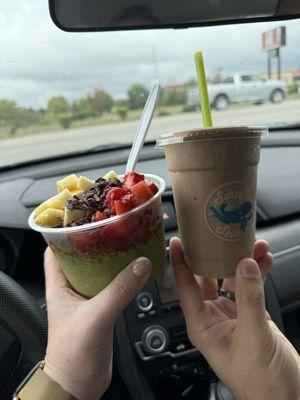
(250,299)
(118,294)
(55,279)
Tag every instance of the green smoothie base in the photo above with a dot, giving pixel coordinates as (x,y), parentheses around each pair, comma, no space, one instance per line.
(89,273)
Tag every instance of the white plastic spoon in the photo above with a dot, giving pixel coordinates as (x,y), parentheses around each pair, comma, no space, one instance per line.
(143,127)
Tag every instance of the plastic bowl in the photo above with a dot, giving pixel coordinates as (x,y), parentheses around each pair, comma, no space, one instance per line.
(91,255)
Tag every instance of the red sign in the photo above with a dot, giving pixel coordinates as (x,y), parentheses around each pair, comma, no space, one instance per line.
(274,38)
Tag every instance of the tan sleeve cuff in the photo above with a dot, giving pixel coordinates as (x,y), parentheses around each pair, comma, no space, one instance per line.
(41,387)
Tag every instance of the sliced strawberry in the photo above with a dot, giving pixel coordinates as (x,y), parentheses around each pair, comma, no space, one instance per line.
(132,224)
(139,236)
(121,207)
(130,199)
(84,242)
(141,191)
(152,187)
(112,195)
(126,203)
(114,236)
(99,216)
(108,238)
(132,178)
(127,227)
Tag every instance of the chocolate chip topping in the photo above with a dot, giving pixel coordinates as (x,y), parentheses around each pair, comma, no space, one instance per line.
(93,199)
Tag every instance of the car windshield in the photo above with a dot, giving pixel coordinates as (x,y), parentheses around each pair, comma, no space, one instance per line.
(65,92)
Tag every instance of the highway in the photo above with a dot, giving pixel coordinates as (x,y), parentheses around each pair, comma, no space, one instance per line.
(41,145)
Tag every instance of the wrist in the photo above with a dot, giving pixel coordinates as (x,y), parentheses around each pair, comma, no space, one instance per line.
(267,393)
(71,386)
(39,385)
(76,386)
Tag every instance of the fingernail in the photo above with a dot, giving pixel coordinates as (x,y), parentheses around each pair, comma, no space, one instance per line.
(142,266)
(249,270)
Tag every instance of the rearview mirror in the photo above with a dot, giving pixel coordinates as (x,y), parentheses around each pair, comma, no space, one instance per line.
(105,15)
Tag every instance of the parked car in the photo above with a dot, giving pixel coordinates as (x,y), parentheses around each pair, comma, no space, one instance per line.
(241,87)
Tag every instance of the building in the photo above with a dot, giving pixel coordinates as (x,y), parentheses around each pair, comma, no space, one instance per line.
(289,77)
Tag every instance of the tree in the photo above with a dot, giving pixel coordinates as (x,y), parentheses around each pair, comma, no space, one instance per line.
(122,112)
(100,102)
(191,82)
(174,96)
(137,95)
(58,105)
(30,117)
(121,103)
(81,109)
(65,120)
(10,116)
(59,109)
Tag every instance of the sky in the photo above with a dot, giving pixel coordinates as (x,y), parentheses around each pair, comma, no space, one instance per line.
(39,61)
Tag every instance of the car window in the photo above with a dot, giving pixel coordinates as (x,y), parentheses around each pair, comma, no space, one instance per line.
(246,78)
(228,80)
(251,78)
(64,92)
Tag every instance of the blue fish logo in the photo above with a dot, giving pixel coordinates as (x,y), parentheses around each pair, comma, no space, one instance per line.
(227,214)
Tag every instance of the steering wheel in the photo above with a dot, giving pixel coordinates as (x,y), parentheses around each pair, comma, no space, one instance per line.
(23,335)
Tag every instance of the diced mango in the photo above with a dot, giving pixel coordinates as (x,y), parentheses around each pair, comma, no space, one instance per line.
(77,192)
(57,202)
(75,215)
(50,217)
(85,183)
(69,182)
(42,207)
(72,215)
(111,175)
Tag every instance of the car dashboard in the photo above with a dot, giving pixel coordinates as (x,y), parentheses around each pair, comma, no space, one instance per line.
(153,355)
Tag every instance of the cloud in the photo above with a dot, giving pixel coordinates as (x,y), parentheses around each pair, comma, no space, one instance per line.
(39,61)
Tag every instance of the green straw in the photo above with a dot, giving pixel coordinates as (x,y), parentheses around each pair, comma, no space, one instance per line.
(202,88)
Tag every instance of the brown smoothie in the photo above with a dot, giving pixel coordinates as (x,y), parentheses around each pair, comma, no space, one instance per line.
(214,174)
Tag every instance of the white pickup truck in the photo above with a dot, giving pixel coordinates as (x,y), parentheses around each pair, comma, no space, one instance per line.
(241,87)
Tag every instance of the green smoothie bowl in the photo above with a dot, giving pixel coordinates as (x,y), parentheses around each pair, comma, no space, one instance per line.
(92,254)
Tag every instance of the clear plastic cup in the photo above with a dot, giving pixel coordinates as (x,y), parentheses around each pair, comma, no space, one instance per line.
(214,174)
(92,255)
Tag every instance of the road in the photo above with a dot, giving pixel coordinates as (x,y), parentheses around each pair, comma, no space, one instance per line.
(41,145)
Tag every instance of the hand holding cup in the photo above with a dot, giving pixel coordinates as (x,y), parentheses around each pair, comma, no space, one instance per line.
(240,342)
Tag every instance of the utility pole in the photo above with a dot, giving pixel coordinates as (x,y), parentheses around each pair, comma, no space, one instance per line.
(278,64)
(269,65)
